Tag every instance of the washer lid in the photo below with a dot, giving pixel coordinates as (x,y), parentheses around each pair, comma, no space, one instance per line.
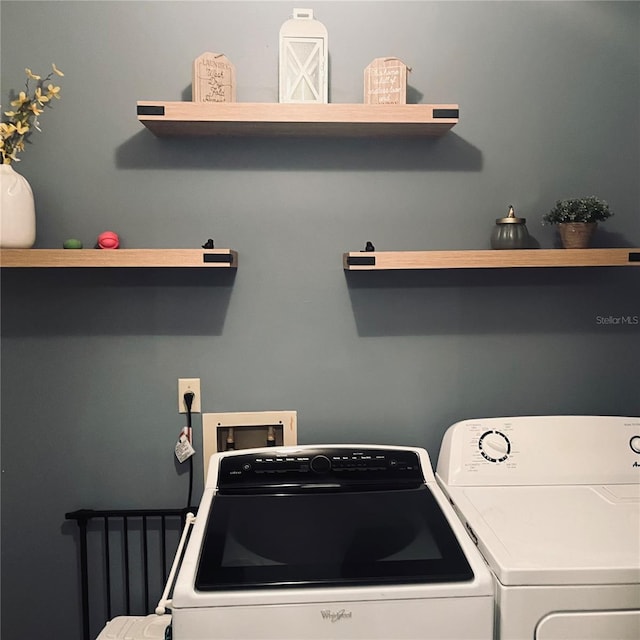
(556,534)
(328,538)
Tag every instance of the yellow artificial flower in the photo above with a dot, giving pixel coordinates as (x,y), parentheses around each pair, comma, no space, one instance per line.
(23,119)
(20,100)
(52,92)
(10,157)
(39,97)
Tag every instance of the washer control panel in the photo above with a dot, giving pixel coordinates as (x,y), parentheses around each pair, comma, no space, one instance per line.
(541,450)
(318,467)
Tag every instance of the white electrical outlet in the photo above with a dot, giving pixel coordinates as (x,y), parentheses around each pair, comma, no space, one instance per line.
(186,385)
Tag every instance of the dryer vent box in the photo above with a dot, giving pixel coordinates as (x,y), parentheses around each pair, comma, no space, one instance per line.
(247,430)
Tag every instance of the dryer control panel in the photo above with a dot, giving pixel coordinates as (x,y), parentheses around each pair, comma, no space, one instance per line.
(541,450)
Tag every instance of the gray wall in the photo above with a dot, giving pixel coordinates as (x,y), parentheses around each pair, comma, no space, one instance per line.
(550,103)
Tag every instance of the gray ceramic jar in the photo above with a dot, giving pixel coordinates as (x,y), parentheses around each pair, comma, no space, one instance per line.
(510,232)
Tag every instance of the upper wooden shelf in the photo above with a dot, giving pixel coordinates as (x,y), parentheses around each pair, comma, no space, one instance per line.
(498,259)
(206,258)
(276,119)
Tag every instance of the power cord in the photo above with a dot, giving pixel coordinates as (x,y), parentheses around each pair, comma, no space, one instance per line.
(188,401)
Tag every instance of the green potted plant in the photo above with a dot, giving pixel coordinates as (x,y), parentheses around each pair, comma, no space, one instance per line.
(577,219)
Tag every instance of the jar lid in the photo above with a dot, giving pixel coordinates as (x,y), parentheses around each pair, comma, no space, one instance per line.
(511,218)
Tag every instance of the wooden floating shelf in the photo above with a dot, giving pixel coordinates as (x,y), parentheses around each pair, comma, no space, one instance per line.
(200,258)
(275,119)
(497,259)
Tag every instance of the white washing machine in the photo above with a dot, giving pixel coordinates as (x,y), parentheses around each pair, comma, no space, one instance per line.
(553,504)
(329,542)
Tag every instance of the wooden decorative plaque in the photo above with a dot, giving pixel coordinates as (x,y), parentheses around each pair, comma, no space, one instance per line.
(385,82)
(214,79)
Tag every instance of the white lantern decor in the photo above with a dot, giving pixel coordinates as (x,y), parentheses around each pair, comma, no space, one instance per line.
(303,59)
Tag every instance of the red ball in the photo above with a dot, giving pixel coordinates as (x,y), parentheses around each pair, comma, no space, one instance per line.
(108,240)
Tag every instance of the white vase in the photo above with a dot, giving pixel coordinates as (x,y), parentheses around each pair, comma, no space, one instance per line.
(17,210)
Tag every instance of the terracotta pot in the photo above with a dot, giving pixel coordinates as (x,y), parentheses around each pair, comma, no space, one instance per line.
(576,235)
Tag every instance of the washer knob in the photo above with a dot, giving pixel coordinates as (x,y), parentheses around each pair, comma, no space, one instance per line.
(320,464)
(634,443)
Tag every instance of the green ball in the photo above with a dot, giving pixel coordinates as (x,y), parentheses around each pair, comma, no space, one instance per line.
(72,243)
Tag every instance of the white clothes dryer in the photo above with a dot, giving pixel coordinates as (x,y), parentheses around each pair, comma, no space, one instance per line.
(553,504)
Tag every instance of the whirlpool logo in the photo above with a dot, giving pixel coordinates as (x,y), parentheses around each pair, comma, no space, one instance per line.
(335,616)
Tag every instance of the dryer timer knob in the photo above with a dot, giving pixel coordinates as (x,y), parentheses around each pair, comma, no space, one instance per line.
(634,443)
(494,446)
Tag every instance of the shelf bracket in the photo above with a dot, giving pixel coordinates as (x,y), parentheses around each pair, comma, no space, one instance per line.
(446,113)
(369,261)
(150,110)
(217,257)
